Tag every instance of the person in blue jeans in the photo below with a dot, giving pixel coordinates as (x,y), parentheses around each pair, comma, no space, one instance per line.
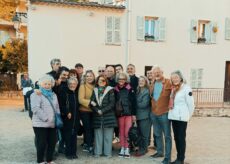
(160,91)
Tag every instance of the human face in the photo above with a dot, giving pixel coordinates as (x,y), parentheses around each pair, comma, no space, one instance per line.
(176,80)
(72,75)
(141,82)
(158,74)
(64,75)
(101,71)
(110,72)
(150,75)
(101,82)
(72,85)
(119,69)
(56,66)
(122,80)
(130,70)
(46,84)
(89,78)
(79,70)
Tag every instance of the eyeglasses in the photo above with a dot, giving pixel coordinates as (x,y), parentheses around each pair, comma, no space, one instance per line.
(101,70)
(121,79)
(102,80)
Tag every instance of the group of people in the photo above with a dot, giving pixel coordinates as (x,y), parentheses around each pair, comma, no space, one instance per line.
(106,107)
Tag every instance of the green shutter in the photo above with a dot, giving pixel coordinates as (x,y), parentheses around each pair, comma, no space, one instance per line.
(227,28)
(213,34)
(208,32)
(193,31)
(162,29)
(140,28)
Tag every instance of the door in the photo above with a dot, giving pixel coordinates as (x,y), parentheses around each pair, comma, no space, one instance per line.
(227,82)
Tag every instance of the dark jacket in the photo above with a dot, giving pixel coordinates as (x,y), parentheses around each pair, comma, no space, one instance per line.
(69,104)
(128,99)
(106,105)
(134,82)
(143,104)
(112,82)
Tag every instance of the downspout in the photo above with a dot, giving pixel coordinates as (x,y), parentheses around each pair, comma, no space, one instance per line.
(127,32)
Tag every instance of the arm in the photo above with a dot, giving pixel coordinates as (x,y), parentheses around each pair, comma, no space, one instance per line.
(144,101)
(132,99)
(93,99)
(62,103)
(81,97)
(190,101)
(56,105)
(36,101)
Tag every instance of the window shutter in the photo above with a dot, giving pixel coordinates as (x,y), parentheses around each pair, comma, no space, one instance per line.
(109,30)
(199,77)
(156,30)
(193,33)
(140,28)
(117,30)
(208,31)
(146,27)
(227,28)
(213,34)
(162,29)
(193,77)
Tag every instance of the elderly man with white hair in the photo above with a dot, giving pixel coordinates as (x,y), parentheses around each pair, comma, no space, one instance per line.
(160,92)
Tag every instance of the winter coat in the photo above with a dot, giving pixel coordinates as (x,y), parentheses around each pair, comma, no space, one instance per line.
(183,104)
(105,103)
(84,95)
(143,106)
(43,114)
(128,99)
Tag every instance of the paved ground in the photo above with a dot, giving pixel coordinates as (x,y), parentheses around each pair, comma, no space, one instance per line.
(208,141)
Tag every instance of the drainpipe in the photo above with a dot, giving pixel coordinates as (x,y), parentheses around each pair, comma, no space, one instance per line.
(127,32)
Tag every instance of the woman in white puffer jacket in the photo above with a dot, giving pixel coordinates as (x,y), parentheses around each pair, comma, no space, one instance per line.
(181,109)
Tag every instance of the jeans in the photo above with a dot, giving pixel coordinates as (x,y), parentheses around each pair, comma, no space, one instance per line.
(143,126)
(125,123)
(162,127)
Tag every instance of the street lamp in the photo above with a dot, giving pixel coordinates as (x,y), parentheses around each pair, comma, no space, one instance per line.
(17,22)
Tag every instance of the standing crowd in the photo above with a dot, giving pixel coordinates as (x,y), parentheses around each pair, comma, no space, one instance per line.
(112,107)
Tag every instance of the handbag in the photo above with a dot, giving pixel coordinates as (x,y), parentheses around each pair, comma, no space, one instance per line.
(57,116)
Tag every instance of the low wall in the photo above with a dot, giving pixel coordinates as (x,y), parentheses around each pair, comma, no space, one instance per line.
(212,112)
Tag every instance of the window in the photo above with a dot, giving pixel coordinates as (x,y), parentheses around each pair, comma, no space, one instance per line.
(113,30)
(203,31)
(150,28)
(227,28)
(4,37)
(196,76)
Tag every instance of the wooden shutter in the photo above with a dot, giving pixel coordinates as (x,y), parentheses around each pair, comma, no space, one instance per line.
(227,28)
(162,29)
(140,28)
(193,78)
(193,33)
(213,34)
(109,30)
(117,30)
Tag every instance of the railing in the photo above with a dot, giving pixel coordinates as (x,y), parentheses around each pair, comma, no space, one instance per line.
(211,97)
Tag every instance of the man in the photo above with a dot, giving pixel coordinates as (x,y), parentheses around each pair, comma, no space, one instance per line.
(118,68)
(26,85)
(110,74)
(133,79)
(55,65)
(101,71)
(160,93)
(149,75)
(80,70)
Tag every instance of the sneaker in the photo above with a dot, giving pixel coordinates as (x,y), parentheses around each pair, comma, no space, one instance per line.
(127,154)
(122,152)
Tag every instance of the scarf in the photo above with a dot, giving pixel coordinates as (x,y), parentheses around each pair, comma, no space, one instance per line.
(101,91)
(47,92)
(174,90)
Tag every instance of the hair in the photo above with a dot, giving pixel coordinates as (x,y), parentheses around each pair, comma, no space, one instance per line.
(79,65)
(146,83)
(46,77)
(86,72)
(61,69)
(122,74)
(55,60)
(119,65)
(178,72)
(73,71)
(72,79)
(157,67)
(103,76)
(132,65)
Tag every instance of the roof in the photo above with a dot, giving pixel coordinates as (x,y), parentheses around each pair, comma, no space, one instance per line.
(84,4)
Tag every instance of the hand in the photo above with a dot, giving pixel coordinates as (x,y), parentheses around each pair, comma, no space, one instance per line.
(38,92)
(93,103)
(58,82)
(99,112)
(134,118)
(69,116)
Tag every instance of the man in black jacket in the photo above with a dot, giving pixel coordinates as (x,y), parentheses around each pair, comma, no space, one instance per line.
(133,78)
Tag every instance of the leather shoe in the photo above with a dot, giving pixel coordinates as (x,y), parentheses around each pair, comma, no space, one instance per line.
(177,162)
(156,155)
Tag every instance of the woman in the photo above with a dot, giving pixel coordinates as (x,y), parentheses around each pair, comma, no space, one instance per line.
(143,114)
(43,119)
(104,120)
(70,114)
(86,115)
(181,109)
(125,109)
